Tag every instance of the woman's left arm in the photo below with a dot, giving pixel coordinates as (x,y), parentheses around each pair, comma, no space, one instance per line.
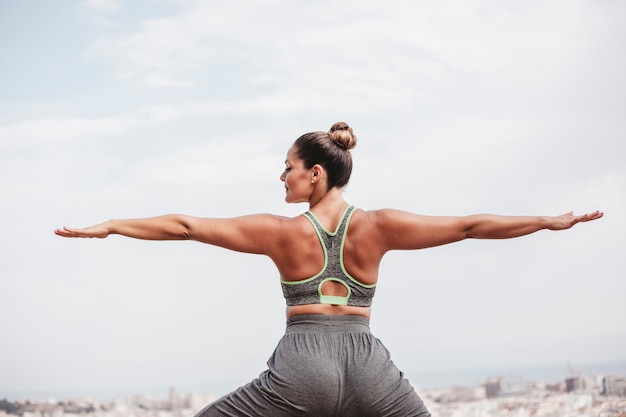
(401,230)
(488,226)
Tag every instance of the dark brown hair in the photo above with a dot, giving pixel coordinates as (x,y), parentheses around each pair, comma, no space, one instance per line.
(331,150)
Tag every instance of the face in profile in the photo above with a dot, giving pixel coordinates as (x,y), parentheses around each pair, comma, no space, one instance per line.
(297,179)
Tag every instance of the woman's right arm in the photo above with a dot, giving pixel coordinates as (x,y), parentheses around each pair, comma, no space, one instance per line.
(168,227)
(252,234)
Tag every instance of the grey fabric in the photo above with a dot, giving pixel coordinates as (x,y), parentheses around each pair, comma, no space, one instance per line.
(325,366)
(306,291)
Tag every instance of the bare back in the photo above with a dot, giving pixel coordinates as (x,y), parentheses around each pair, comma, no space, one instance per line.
(301,256)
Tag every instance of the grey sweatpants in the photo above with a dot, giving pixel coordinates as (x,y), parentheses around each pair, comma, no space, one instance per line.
(325,366)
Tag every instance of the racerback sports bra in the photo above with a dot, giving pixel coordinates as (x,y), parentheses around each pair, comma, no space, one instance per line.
(309,291)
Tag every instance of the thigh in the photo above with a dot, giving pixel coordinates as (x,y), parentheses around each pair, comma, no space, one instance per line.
(376,387)
(251,400)
(301,380)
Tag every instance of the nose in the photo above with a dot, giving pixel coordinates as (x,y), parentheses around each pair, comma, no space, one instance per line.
(282,176)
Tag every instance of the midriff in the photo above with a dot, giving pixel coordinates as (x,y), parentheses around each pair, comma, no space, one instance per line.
(328,309)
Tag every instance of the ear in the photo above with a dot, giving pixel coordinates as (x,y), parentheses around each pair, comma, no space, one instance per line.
(317,172)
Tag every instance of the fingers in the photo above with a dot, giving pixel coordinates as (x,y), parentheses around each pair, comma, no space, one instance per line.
(595,215)
(71,232)
(94,231)
(65,232)
(592,216)
(587,217)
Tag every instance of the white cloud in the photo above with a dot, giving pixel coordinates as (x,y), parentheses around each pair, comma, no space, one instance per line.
(338,48)
(364,57)
(163,80)
(102,6)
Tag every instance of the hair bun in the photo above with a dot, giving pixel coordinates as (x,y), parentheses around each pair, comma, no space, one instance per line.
(342,135)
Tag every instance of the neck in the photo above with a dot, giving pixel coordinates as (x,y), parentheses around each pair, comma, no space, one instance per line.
(331,201)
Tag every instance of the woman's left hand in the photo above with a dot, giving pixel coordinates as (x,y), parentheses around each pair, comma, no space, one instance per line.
(567,220)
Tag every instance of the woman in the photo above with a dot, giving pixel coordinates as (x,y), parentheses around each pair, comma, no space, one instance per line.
(327,363)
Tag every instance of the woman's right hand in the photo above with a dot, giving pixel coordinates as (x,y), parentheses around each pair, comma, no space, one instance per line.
(99,231)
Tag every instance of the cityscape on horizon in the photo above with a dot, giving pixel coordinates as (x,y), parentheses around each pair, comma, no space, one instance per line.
(583,395)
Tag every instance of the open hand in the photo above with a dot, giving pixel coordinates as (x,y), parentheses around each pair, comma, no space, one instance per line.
(98,231)
(567,220)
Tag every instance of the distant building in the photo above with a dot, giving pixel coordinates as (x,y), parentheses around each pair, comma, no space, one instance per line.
(492,387)
(614,385)
(512,385)
(459,394)
(574,383)
(177,400)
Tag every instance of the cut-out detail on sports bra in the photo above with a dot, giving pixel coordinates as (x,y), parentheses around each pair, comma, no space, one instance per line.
(309,291)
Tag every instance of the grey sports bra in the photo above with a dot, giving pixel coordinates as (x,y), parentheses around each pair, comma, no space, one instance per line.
(309,291)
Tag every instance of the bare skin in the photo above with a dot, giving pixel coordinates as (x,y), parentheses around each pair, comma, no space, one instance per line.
(294,247)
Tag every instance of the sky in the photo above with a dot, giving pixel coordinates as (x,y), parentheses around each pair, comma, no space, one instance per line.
(113,109)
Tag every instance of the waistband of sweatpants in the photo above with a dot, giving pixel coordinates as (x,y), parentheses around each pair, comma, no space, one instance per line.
(327,324)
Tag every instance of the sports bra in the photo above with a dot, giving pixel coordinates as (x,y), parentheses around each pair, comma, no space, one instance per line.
(309,291)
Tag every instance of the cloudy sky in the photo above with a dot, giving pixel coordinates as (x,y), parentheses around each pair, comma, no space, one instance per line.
(113,109)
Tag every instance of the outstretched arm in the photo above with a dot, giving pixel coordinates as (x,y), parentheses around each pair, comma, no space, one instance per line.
(253,234)
(168,227)
(484,226)
(401,230)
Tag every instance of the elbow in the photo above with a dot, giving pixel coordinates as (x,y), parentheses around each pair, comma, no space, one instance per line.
(471,228)
(184,229)
(186,232)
